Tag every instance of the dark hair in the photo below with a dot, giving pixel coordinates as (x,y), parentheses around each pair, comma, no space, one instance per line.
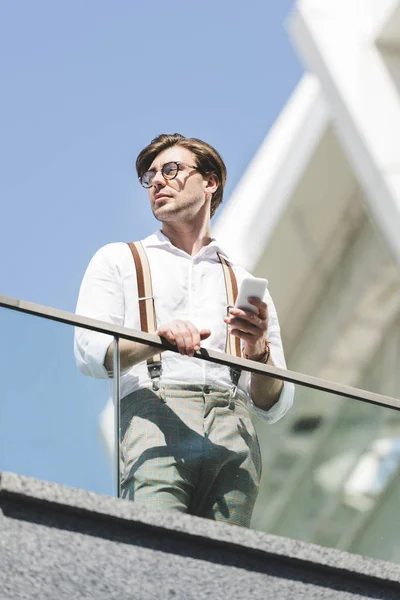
(208,160)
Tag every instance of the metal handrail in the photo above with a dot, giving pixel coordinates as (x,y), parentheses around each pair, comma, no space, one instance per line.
(68,318)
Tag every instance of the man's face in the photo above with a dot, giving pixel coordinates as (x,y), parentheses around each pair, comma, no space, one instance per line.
(186,196)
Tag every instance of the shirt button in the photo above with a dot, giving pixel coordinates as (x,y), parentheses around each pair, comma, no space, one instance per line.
(206,389)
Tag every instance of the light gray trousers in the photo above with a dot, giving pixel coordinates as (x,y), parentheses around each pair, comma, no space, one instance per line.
(190,448)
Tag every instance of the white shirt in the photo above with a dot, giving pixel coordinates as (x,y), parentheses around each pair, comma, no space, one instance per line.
(191,288)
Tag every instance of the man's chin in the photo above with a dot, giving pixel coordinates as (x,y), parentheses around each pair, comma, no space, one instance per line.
(165,214)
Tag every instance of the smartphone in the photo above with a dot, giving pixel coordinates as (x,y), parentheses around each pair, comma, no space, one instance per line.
(250,286)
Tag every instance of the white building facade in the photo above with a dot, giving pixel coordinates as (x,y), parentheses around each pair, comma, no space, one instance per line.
(319,214)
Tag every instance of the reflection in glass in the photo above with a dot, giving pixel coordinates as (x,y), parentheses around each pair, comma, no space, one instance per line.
(331,475)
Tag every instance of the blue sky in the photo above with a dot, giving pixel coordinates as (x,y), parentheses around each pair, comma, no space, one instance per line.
(84,87)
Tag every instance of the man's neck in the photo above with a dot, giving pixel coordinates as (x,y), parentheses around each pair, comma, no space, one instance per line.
(188,237)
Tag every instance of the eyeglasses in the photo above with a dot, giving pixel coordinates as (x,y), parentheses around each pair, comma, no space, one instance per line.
(169,171)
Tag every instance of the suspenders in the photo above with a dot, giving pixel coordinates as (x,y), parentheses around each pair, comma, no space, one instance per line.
(232,345)
(148,322)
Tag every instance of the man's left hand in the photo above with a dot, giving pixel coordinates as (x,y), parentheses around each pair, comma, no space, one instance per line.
(250,327)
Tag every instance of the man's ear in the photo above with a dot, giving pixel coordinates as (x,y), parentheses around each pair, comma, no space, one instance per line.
(212,183)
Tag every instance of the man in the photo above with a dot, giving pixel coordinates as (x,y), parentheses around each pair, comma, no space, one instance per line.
(188,442)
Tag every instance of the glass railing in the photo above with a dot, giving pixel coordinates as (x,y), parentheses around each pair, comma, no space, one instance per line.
(331,471)
(49,411)
(330,466)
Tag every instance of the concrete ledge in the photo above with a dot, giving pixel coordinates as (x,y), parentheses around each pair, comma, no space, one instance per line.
(66,543)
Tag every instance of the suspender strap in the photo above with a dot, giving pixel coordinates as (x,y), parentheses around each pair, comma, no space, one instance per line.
(148,322)
(232,342)
(232,345)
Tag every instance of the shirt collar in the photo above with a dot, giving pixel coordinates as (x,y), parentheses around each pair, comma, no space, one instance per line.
(158,239)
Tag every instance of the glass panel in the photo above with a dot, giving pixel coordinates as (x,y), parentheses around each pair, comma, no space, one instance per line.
(329,469)
(49,412)
(330,466)
(331,475)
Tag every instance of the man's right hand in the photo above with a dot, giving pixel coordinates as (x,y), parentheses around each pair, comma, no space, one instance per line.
(184,335)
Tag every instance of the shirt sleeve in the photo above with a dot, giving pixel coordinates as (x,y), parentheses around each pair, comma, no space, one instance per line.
(285,401)
(279,409)
(100,297)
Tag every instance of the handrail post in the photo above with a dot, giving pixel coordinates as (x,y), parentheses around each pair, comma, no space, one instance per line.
(117,415)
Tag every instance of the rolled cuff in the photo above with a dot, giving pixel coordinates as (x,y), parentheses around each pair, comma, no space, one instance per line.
(279,409)
(90,348)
